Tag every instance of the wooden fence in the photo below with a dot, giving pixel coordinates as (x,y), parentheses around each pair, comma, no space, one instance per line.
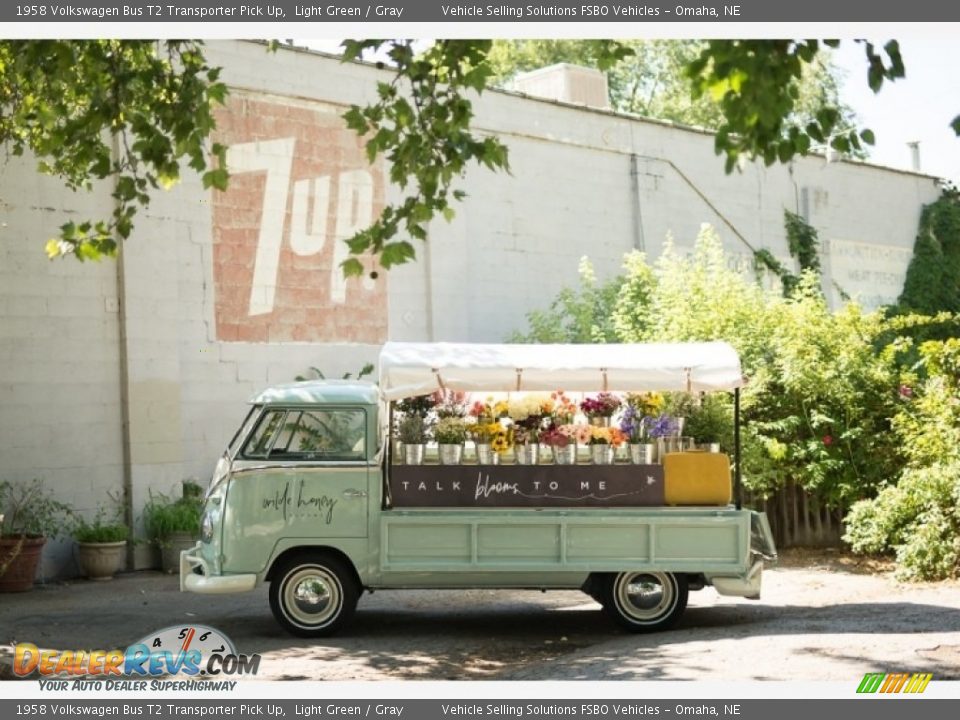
(798,518)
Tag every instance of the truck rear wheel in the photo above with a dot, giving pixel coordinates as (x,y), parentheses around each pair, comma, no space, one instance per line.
(645,601)
(313,595)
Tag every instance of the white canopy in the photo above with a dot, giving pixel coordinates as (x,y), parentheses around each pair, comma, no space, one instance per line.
(408,369)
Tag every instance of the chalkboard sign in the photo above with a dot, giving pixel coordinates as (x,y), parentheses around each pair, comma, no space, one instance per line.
(526,485)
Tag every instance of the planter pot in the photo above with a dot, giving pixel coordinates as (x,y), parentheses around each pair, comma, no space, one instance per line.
(600,421)
(643,453)
(19,558)
(602,454)
(486,455)
(565,455)
(528,454)
(413,454)
(101,561)
(451,454)
(170,548)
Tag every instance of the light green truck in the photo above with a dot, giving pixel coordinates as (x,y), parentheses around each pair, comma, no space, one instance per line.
(307,496)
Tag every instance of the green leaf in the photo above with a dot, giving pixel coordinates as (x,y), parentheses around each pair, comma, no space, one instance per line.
(351,267)
(868,137)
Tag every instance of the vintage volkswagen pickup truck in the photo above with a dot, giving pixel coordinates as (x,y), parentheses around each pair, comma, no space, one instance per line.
(309,498)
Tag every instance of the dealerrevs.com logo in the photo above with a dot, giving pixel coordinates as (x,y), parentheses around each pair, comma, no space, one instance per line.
(194,651)
(889,683)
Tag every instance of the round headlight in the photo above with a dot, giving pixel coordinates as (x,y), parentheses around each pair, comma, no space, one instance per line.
(206,527)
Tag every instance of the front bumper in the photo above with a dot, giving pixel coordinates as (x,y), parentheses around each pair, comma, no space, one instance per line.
(205,583)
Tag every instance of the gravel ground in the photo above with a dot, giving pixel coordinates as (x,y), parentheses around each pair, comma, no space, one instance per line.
(821,617)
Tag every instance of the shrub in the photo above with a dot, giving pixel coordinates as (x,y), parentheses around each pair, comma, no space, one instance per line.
(104,528)
(918,518)
(164,516)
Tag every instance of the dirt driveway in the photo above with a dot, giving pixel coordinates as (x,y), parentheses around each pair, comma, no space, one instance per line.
(822,617)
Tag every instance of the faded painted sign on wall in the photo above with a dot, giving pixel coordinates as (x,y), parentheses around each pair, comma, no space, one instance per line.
(300,184)
(871,273)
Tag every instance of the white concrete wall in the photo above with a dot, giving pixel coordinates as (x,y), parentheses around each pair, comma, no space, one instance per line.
(73,346)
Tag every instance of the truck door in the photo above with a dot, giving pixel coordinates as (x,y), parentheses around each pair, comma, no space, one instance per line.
(304,474)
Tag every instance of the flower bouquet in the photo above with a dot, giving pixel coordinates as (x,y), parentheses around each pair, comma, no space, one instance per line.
(601,408)
(564,409)
(562,441)
(603,442)
(492,440)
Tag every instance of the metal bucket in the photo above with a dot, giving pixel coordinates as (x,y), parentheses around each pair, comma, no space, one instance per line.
(643,453)
(602,454)
(527,454)
(451,454)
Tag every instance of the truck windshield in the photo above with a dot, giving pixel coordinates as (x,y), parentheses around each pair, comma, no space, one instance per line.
(335,434)
(243,431)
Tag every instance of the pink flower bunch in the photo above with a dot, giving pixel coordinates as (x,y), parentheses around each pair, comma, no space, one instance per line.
(555,437)
(603,405)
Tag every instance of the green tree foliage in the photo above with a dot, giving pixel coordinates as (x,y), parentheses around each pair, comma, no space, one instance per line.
(126,110)
(933,276)
(577,315)
(918,516)
(652,80)
(823,385)
(756,84)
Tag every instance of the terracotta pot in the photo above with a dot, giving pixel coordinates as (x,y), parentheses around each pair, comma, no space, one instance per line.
(101,560)
(19,558)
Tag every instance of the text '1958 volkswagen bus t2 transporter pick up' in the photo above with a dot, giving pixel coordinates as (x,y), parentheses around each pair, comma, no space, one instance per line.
(312,494)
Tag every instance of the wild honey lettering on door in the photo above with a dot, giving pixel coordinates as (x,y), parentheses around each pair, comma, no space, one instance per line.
(300,184)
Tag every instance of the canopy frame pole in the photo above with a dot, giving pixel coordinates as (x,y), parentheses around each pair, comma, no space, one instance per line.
(738,488)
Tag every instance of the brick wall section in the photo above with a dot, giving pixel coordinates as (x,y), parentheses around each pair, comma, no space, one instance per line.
(323,188)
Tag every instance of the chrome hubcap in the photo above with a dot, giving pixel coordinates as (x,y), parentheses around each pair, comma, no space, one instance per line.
(312,596)
(645,597)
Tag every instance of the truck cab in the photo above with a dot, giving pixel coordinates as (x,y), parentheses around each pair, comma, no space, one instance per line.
(310,497)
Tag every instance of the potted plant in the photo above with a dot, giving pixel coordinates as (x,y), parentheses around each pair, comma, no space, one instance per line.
(679,406)
(562,442)
(101,544)
(412,432)
(601,408)
(28,516)
(603,441)
(527,414)
(450,434)
(710,424)
(173,526)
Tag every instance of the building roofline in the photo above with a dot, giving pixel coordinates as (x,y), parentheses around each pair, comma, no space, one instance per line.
(619,114)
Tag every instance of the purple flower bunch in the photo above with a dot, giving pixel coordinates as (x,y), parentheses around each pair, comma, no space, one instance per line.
(663,426)
(633,424)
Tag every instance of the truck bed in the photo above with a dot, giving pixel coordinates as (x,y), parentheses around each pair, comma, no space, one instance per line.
(547,540)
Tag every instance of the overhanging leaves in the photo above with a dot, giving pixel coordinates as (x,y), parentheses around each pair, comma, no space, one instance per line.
(70,102)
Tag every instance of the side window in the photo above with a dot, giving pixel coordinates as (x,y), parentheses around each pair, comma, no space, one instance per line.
(336,435)
(260,442)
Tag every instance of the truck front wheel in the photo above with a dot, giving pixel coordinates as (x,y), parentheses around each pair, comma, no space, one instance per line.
(645,601)
(313,595)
